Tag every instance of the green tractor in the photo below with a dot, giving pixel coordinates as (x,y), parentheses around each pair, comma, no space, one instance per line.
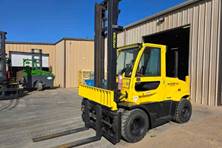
(33,76)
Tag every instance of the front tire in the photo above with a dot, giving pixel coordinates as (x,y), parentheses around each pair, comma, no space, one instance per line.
(183,111)
(39,86)
(134,126)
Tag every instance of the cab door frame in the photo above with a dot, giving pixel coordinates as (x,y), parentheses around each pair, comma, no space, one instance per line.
(149,96)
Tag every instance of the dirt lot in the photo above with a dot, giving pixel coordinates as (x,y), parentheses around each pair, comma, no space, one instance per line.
(56,110)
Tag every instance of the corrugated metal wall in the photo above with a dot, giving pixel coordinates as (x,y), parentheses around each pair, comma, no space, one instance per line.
(79,56)
(203,18)
(220,59)
(26,47)
(71,57)
(59,68)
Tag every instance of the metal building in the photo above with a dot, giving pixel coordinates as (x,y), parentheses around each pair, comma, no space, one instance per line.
(66,57)
(196,25)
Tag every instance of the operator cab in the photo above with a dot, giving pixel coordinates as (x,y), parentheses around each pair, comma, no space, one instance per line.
(142,68)
(149,64)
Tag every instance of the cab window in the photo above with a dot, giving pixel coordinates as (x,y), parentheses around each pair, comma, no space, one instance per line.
(150,63)
(125,61)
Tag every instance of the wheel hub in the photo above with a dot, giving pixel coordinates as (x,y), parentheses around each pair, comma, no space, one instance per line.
(137,126)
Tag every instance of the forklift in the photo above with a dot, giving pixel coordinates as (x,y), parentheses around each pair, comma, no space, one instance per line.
(139,95)
(9,88)
(136,95)
(33,76)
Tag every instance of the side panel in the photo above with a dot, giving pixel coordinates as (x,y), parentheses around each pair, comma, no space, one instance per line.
(47,83)
(159,113)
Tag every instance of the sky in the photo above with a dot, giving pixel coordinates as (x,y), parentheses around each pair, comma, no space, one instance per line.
(51,20)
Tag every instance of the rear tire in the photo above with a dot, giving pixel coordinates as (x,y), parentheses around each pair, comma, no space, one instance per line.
(183,111)
(134,126)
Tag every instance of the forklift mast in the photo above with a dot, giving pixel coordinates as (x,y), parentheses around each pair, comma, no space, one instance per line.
(2,57)
(106,19)
(37,53)
(36,60)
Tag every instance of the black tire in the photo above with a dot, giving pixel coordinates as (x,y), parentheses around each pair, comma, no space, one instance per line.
(39,86)
(135,124)
(183,111)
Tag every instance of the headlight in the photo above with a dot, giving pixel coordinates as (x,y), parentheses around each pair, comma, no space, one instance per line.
(49,78)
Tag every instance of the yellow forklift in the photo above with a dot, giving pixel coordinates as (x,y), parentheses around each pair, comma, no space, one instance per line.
(137,95)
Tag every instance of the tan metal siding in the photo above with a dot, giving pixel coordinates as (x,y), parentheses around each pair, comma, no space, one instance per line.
(193,66)
(185,17)
(220,60)
(203,18)
(59,72)
(48,49)
(79,56)
(120,39)
(200,47)
(213,53)
(167,22)
(206,56)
